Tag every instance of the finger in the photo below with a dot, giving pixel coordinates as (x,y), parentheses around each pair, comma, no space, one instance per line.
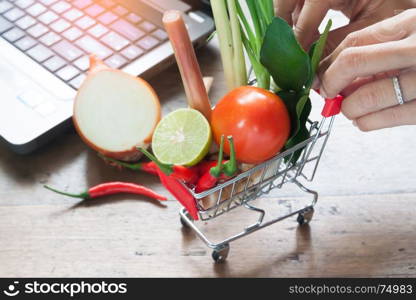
(285,8)
(296,12)
(365,61)
(378,95)
(392,29)
(311,16)
(391,117)
(359,82)
(356,84)
(337,36)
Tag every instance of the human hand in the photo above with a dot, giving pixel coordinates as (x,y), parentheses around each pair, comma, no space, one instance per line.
(307,15)
(362,67)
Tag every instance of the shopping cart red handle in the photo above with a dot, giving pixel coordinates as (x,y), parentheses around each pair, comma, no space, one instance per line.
(332,106)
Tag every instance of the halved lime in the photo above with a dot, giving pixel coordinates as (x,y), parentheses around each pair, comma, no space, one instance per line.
(183,137)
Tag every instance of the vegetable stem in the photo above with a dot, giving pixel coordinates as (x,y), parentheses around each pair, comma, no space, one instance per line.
(187,62)
(237,31)
(166,168)
(247,28)
(224,32)
(231,167)
(217,170)
(251,4)
(81,196)
(240,71)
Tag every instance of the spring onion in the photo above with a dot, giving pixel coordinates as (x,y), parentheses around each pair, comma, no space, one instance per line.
(236,31)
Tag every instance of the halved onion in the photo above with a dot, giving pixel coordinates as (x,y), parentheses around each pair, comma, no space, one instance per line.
(115,112)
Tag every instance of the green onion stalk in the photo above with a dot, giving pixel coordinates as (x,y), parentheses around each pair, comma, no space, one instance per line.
(261,14)
(231,43)
(238,31)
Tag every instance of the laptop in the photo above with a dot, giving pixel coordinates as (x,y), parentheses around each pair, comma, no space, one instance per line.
(44,48)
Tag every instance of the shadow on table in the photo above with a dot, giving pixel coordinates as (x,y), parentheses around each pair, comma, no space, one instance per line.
(38,166)
(303,245)
(349,257)
(108,200)
(98,171)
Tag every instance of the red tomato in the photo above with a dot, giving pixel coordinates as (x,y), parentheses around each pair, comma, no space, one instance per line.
(258,121)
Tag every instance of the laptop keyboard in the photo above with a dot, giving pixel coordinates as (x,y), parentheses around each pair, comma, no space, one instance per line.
(60,34)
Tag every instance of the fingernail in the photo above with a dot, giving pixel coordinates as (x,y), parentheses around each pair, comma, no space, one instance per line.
(355,123)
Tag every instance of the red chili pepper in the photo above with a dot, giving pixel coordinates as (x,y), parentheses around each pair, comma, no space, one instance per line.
(206,165)
(148,167)
(112,188)
(188,175)
(210,178)
(180,192)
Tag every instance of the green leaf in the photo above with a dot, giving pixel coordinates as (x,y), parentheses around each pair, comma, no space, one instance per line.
(251,4)
(281,54)
(312,49)
(290,98)
(302,132)
(246,30)
(299,108)
(317,50)
(302,135)
(295,105)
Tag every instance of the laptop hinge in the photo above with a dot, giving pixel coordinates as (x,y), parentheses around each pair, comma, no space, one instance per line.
(164,5)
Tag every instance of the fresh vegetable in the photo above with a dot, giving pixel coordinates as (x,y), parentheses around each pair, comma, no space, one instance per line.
(281,54)
(115,112)
(211,177)
(183,138)
(236,32)
(112,188)
(180,192)
(253,34)
(214,171)
(230,168)
(148,167)
(195,90)
(187,175)
(206,165)
(257,120)
(293,70)
(230,39)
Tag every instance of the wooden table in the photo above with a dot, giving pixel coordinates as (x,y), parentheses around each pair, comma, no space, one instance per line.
(364,225)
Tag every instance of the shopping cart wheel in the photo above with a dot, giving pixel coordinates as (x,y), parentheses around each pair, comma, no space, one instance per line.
(306,216)
(220,255)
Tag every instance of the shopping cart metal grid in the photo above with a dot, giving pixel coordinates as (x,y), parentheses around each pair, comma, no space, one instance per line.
(261,180)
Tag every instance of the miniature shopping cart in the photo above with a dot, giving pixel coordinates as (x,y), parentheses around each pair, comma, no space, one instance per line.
(263,178)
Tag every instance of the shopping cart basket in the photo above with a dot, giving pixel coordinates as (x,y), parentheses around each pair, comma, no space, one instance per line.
(263,178)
